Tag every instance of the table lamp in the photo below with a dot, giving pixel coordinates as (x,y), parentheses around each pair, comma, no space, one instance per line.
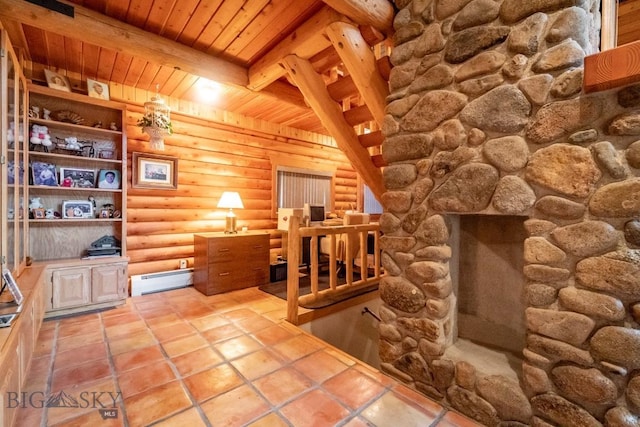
(230,200)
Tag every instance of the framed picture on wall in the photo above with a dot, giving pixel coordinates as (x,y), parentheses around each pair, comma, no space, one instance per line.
(154,171)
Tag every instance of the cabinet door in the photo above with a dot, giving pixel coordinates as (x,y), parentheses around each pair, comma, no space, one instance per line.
(107,283)
(71,287)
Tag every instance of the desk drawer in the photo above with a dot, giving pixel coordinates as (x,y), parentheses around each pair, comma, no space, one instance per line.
(230,249)
(222,278)
(224,262)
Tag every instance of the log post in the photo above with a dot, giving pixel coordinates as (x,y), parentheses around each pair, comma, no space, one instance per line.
(293,261)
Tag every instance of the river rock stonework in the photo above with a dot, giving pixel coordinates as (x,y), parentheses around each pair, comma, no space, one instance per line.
(486,116)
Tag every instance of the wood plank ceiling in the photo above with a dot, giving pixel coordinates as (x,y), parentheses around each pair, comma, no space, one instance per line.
(253,47)
(181,45)
(237,31)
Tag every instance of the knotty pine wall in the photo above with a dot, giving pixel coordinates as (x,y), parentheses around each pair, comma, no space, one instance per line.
(212,158)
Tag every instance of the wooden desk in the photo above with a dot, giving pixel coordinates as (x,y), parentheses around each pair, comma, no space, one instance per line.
(226,262)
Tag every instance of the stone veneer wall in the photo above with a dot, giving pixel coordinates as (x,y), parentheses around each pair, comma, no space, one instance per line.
(486,116)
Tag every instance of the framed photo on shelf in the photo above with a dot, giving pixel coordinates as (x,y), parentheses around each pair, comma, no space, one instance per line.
(97,89)
(109,178)
(10,283)
(154,171)
(57,81)
(44,174)
(77,209)
(38,213)
(80,178)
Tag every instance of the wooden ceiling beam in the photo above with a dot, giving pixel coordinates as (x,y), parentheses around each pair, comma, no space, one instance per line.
(285,92)
(124,38)
(377,13)
(306,41)
(361,65)
(328,111)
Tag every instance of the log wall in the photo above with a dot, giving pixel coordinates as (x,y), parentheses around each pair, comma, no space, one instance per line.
(214,157)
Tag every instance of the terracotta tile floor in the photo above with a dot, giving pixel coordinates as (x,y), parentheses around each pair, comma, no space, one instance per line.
(179,358)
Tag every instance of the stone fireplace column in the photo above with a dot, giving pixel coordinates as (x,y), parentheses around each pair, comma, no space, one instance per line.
(487,116)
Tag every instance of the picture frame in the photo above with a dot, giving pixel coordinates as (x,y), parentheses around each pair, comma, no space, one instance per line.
(109,179)
(44,174)
(12,285)
(38,213)
(77,209)
(76,177)
(57,81)
(97,89)
(105,213)
(154,171)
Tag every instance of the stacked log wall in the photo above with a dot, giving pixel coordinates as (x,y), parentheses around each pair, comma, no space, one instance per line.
(214,157)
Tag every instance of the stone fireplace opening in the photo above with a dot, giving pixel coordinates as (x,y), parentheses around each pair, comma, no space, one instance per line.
(486,271)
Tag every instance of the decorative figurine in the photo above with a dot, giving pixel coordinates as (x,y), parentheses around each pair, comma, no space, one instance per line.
(34,112)
(113,126)
(46,114)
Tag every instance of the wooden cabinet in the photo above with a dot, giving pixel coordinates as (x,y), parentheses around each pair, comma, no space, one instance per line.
(14,164)
(225,262)
(86,143)
(74,288)
(17,345)
(71,287)
(108,283)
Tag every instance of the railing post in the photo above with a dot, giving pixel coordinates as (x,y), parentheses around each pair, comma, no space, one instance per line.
(376,253)
(315,269)
(293,262)
(364,271)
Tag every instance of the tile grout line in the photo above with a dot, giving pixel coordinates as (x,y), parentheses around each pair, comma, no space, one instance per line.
(112,368)
(177,374)
(54,353)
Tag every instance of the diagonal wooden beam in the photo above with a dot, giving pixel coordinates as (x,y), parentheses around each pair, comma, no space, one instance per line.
(359,60)
(101,30)
(377,13)
(307,40)
(328,111)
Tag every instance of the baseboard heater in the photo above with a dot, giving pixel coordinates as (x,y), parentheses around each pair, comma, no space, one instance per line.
(142,284)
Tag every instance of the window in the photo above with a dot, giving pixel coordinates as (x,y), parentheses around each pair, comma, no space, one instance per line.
(371,204)
(295,187)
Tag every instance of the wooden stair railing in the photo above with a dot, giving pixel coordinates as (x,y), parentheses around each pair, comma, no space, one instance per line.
(335,291)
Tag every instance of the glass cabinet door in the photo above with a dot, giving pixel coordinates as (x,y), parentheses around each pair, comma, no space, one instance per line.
(13,102)
(12,166)
(22,147)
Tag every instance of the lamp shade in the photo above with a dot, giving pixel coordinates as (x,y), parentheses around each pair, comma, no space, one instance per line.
(230,200)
